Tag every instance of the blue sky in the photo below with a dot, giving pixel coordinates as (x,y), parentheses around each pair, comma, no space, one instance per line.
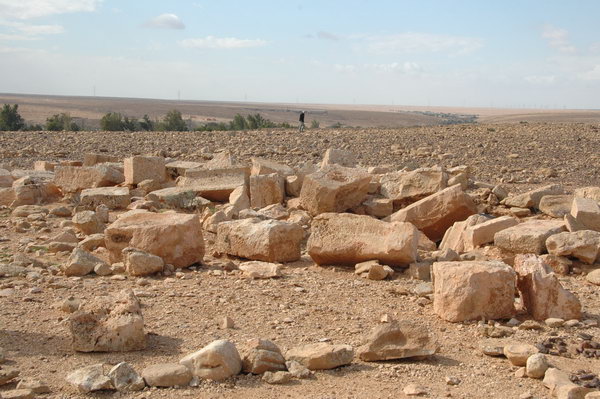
(538,54)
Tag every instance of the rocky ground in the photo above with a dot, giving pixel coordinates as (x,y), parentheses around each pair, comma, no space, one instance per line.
(309,303)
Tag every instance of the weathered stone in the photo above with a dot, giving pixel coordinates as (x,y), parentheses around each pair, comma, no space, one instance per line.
(24,211)
(373,270)
(433,215)
(583,245)
(593,277)
(397,340)
(420,271)
(350,239)
(274,211)
(483,233)
(80,263)
(537,365)
(87,222)
(239,199)
(407,187)
(258,269)
(112,197)
(71,179)
(29,191)
(92,242)
(321,356)
(215,184)
(266,190)
(140,263)
(261,356)
(276,377)
(414,390)
(558,264)
(178,198)
(528,237)
(531,199)
(556,206)
(90,379)
(140,168)
(339,157)
(36,386)
(262,166)
(94,159)
(334,189)
(217,361)
(221,160)
(588,192)
(518,354)
(6,179)
(379,207)
(541,292)
(45,166)
(266,240)
(7,374)
(298,370)
(587,212)
(124,378)
(108,324)
(179,168)
(473,290)
(554,378)
(573,224)
(167,375)
(7,197)
(453,238)
(175,237)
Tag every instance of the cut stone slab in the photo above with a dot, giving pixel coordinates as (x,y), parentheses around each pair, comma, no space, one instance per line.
(71,179)
(587,212)
(453,238)
(179,168)
(407,187)
(473,290)
(351,239)
(531,199)
(256,239)
(140,168)
(112,197)
(433,215)
(483,233)
(178,198)
(262,166)
(556,206)
(92,159)
(108,324)
(175,237)
(259,270)
(379,207)
(321,356)
(334,188)
(215,184)
(339,157)
(167,375)
(528,237)
(583,245)
(217,361)
(266,189)
(397,340)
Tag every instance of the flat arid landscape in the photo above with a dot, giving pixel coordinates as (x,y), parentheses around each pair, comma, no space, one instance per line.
(397,256)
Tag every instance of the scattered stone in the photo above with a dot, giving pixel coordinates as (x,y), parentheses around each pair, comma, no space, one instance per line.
(518,354)
(483,233)
(88,222)
(339,157)
(297,370)
(593,277)
(217,361)
(215,184)
(167,375)
(80,263)
(537,365)
(587,212)
(227,322)
(528,237)
(277,377)
(321,356)
(583,245)
(531,199)
(139,168)
(452,381)
(140,263)
(125,378)
(18,394)
(71,179)
(554,322)
(556,206)
(7,374)
(407,187)
(397,340)
(260,270)
(261,356)
(414,390)
(111,197)
(558,264)
(90,379)
(492,350)
(266,190)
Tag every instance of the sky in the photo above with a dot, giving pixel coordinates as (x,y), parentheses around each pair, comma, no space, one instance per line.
(509,54)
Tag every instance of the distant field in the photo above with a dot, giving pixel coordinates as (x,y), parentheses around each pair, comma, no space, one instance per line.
(89,110)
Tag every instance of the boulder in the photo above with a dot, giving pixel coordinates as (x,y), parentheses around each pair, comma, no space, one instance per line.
(334,189)
(397,340)
(71,179)
(483,233)
(531,199)
(262,166)
(339,157)
(556,206)
(239,199)
(261,356)
(108,324)
(217,361)
(256,239)
(87,222)
(167,375)
(214,184)
(528,237)
(90,379)
(321,356)
(124,378)
(433,215)
(473,290)
(407,187)
(140,168)
(140,263)
(178,198)
(453,238)
(29,191)
(266,190)
(517,354)
(583,245)
(350,239)
(537,365)
(175,237)
(112,197)
(541,293)
(258,270)
(221,160)
(91,242)
(179,168)
(587,212)
(80,263)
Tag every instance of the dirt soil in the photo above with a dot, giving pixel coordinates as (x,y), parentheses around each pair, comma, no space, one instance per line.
(309,303)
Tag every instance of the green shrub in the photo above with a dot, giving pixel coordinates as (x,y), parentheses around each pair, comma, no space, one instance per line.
(173,122)
(314,124)
(146,124)
(10,119)
(61,122)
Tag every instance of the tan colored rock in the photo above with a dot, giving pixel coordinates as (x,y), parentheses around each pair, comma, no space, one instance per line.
(80,263)
(167,375)
(215,184)
(339,157)
(541,292)
(397,340)
(587,212)
(407,187)
(108,324)
(473,290)
(266,190)
(453,238)
(71,179)
(350,239)
(433,215)
(87,222)
(217,361)
(178,198)
(262,166)
(239,199)
(179,168)
(7,374)
(528,237)
(588,192)
(45,165)
(583,245)
(221,160)
(556,206)
(7,196)
(425,243)
(140,263)
(92,159)
(531,199)
(593,277)
(112,197)
(558,264)
(517,354)
(379,207)
(24,211)
(140,168)
(90,379)
(572,392)
(573,224)
(124,378)
(334,189)
(483,233)
(175,237)
(6,179)
(261,356)
(92,242)
(258,269)
(537,365)
(373,270)
(321,356)
(265,240)
(554,378)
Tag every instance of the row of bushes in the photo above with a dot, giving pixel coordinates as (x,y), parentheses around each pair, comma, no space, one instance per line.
(115,121)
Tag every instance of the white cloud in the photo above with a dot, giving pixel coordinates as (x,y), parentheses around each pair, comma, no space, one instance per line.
(558,38)
(396,67)
(412,42)
(593,74)
(221,42)
(165,21)
(27,9)
(23,31)
(541,80)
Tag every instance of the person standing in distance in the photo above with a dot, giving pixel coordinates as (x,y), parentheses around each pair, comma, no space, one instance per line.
(301,119)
